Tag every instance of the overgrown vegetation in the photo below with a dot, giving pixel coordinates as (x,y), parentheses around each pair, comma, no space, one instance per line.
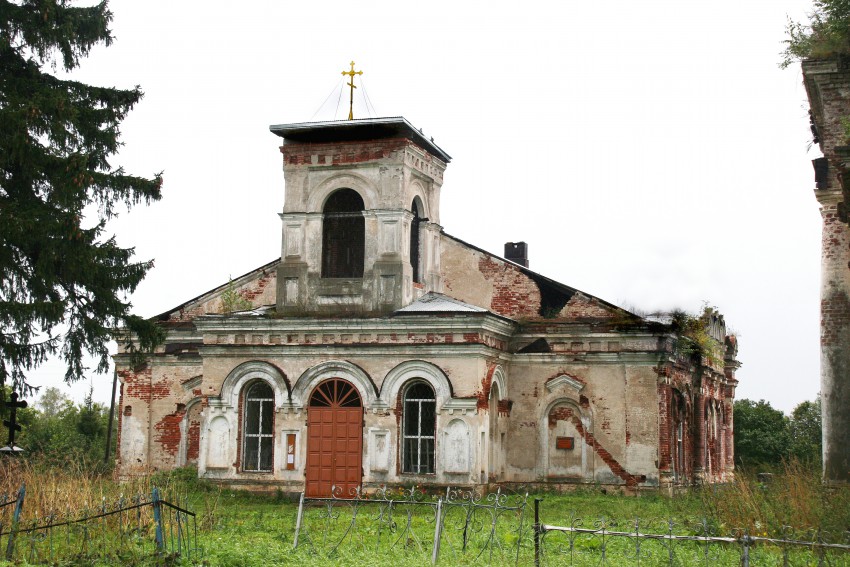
(694,338)
(795,496)
(57,433)
(248,530)
(232,300)
(827,34)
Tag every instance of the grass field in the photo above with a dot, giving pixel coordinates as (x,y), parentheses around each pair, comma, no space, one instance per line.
(239,529)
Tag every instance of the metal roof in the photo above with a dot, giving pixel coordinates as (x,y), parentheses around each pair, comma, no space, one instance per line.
(433,302)
(358,129)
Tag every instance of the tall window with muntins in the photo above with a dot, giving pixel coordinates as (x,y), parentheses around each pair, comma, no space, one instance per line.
(258,428)
(414,243)
(343,235)
(418,429)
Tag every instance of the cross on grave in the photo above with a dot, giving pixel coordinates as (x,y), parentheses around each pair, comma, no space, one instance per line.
(12,423)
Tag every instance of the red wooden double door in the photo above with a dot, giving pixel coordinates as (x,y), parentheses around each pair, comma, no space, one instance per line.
(334,439)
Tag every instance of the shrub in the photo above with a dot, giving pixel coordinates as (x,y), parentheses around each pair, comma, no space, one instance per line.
(826,35)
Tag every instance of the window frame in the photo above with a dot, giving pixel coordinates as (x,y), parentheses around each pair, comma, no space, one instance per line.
(343,235)
(416,243)
(422,457)
(260,434)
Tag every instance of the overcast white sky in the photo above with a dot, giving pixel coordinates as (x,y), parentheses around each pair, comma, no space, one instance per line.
(650,153)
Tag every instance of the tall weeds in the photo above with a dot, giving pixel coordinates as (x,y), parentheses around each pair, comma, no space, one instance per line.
(794,497)
(74,488)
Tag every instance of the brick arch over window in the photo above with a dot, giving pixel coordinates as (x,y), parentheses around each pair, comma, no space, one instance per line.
(253,370)
(498,380)
(343,235)
(418,193)
(411,370)
(319,194)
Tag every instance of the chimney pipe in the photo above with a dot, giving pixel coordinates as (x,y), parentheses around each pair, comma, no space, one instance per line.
(517,252)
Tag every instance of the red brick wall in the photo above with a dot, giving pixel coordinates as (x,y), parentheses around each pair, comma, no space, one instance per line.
(249,291)
(582,307)
(514,294)
(344,152)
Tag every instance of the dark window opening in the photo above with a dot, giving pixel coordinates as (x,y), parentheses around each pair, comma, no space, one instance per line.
(678,437)
(414,243)
(418,429)
(258,428)
(343,235)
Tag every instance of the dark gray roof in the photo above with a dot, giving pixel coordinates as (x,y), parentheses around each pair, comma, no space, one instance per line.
(433,302)
(355,130)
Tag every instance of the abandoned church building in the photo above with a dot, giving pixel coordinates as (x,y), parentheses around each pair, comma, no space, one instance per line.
(378,349)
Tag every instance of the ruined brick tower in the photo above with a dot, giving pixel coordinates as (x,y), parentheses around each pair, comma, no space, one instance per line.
(828,88)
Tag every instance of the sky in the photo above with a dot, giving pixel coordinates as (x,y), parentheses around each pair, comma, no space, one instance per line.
(650,153)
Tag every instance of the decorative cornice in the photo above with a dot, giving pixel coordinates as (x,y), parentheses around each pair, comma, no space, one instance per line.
(461,406)
(566,381)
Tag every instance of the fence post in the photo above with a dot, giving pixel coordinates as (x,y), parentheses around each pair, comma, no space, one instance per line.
(298,520)
(157,518)
(438,528)
(10,547)
(537,531)
(745,553)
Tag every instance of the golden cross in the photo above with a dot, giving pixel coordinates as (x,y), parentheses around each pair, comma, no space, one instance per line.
(351,84)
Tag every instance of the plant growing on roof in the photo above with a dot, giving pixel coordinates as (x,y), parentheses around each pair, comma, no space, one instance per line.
(826,35)
(232,300)
(693,337)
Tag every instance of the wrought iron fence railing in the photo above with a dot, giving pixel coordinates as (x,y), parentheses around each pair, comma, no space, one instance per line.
(457,522)
(605,541)
(461,526)
(129,527)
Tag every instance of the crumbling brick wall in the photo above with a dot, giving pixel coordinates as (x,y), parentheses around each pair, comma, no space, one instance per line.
(487,281)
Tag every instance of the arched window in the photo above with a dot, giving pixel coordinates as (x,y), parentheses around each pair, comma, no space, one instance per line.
(343,235)
(680,425)
(415,260)
(258,426)
(418,429)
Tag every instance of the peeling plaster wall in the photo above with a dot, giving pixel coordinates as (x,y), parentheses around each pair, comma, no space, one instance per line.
(604,389)
(609,409)
(257,288)
(492,283)
(599,388)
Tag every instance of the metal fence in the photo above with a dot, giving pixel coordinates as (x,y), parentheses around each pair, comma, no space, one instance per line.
(461,526)
(457,522)
(128,528)
(638,542)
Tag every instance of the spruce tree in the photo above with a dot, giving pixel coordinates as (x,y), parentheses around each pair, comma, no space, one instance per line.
(63,281)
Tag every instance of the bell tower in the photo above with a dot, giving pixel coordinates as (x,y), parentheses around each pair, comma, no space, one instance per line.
(361,217)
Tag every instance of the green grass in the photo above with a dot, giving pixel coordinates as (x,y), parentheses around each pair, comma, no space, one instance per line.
(241,529)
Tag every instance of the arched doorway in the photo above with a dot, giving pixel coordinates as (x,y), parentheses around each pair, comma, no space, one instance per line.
(334,439)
